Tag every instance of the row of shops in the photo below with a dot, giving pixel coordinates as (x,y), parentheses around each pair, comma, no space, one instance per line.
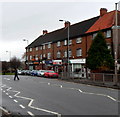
(76,65)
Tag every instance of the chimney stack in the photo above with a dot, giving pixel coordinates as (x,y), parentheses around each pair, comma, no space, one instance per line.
(103,11)
(45,32)
(66,24)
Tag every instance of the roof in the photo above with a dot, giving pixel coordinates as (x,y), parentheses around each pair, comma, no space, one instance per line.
(76,30)
(104,22)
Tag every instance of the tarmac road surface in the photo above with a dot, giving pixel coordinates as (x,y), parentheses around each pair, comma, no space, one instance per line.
(34,96)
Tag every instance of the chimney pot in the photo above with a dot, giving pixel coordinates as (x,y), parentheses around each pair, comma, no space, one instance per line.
(66,24)
(103,11)
(45,32)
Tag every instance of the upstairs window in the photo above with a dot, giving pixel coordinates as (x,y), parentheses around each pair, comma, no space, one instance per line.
(44,46)
(70,42)
(30,49)
(108,33)
(49,45)
(40,47)
(36,57)
(58,43)
(65,42)
(94,35)
(36,48)
(41,56)
(49,55)
(65,54)
(79,40)
(70,53)
(58,54)
(79,52)
(30,57)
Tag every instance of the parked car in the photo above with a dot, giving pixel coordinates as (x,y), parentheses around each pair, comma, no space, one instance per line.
(51,74)
(41,72)
(34,72)
(19,72)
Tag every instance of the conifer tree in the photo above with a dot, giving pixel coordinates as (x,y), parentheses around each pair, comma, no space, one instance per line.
(99,56)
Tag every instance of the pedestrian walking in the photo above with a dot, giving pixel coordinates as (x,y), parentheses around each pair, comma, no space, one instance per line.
(16,75)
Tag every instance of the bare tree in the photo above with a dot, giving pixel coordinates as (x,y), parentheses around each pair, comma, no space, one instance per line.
(5,67)
(15,63)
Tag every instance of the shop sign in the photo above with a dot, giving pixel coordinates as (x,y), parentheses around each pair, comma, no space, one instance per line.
(78,61)
(57,62)
(48,62)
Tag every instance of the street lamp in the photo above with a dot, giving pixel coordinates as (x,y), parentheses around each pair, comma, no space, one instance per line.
(9,54)
(68,37)
(116,44)
(26,52)
(26,40)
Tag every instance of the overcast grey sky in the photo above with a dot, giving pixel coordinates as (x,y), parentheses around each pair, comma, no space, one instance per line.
(27,20)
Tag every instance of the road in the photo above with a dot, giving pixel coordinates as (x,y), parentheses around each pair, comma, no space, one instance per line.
(41,96)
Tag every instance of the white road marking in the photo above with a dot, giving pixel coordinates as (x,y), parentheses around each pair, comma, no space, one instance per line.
(10,96)
(7,94)
(9,89)
(48,83)
(15,101)
(21,106)
(1,89)
(4,91)
(31,114)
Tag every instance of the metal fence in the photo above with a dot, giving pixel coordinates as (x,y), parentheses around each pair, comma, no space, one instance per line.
(91,77)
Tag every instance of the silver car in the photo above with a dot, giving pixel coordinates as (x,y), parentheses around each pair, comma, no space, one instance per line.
(41,72)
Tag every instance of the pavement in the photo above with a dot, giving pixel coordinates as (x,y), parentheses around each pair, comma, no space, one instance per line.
(94,83)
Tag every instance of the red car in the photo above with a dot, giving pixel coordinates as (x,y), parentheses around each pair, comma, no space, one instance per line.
(51,74)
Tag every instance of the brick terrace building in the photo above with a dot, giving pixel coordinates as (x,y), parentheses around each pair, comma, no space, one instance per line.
(49,51)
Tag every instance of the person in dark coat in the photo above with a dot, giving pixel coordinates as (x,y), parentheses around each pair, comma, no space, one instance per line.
(16,75)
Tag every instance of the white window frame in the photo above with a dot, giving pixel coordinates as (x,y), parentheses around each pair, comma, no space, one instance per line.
(44,47)
(30,49)
(79,40)
(79,52)
(65,54)
(65,42)
(44,55)
(40,47)
(108,33)
(58,54)
(70,42)
(36,48)
(36,57)
(40,56)
(49,55)
(49,45)
(94,35)
(70,53)
(30,57)
(58,44)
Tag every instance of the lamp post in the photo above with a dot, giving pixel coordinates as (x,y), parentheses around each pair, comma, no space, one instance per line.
(68,38)
(26,40)
(116,44)
(26,52)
